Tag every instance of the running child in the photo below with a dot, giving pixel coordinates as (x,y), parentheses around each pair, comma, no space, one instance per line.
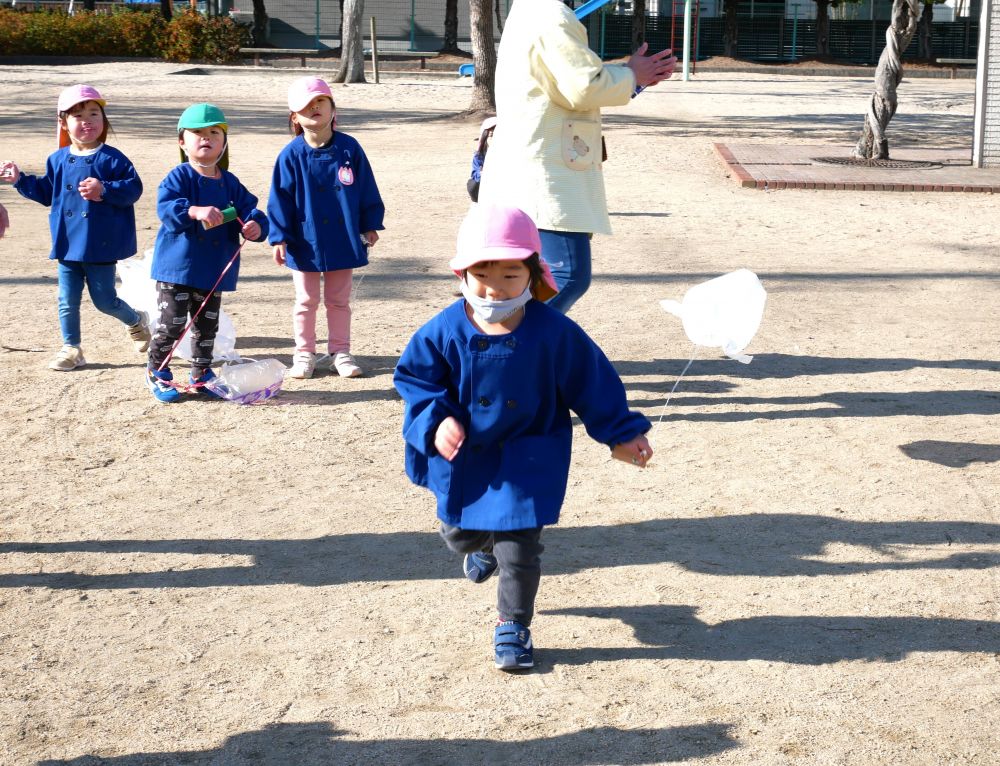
(479,157)
(91,188)
(325,212)
(488,385)
(203,210)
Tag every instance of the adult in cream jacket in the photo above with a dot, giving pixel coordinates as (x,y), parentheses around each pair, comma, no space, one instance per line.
(546,153)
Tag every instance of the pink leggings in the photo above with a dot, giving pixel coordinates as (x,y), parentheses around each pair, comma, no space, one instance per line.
(336,298)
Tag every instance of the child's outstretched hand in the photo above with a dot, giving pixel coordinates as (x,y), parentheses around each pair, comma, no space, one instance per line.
(637,451)
(9,172)
(279,253)
(449,438)
(371,237)
(91,189)
(250,230)
(207,213)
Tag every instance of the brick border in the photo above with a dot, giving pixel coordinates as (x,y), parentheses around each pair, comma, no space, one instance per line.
(747,180)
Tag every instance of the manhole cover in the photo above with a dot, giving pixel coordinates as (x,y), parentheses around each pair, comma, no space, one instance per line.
(857,162)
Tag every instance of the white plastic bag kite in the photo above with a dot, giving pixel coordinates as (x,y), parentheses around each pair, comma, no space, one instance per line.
(138,290)
(724,312)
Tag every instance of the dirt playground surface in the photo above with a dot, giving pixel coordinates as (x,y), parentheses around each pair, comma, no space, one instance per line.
(806,573)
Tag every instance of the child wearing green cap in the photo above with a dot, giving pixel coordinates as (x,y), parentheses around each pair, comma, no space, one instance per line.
(197,238)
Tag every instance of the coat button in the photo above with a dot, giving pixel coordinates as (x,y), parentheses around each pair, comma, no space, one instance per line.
(511,404)
(90,161)
(326,221)
(72,160)
(483,401)
(482,345)
(83,215)
(69,187)
(69,213)
(510,343)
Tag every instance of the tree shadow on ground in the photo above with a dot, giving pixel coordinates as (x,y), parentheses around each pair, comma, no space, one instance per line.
(674,632)
(952,454)
(756,545)
(320,744)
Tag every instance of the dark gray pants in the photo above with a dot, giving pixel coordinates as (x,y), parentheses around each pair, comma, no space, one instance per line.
(519,553)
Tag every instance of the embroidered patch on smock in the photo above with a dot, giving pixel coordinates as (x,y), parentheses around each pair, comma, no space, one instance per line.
(346,175)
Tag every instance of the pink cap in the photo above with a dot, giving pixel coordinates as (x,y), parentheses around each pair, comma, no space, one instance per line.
(77,94)
(304,90)
(494,233)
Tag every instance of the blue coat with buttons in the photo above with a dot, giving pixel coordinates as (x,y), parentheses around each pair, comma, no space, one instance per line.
(513,395)
(321,201)
(92,232)
(185,252)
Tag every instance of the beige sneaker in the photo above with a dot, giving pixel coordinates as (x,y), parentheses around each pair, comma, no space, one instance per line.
(303,365)
(68,358)
(345,365)
(139,333)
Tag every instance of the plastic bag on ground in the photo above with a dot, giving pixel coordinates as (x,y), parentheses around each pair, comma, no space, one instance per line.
(138,290)
(249,382)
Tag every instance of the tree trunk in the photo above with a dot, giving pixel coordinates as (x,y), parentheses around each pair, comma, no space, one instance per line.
(638,23)
(259,29)
(873,144)
(484,56)
(731,33)
(822,27)
(450,27)
(925,45)
(167,9)
(352,59)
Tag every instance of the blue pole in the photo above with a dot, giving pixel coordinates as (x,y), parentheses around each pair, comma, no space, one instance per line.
(413,25)
(795,28)
(602,37)
(589,7)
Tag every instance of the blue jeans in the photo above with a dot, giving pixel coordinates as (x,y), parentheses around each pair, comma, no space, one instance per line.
(568,256)
(100,279)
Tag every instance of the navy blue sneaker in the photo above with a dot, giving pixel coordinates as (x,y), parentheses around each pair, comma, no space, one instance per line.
(512,648)
(204,385)
(479,566)
(159,382)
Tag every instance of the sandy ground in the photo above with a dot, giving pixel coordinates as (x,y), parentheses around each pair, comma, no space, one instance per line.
(807,573)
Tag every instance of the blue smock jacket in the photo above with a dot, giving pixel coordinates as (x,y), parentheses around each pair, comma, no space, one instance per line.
(513,395)
(92,232)
(186,253)
(321,201)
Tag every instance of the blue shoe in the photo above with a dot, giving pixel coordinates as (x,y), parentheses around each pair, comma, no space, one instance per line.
(159,382)
(479,566)
(204,385)
(512,648)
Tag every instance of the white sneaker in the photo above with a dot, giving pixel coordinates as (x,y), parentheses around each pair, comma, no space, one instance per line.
(303,365)
(139,333)
(345,365)
(68,358)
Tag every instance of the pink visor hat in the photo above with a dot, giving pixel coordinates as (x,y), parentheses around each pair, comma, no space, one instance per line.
(304,90)
(493,233)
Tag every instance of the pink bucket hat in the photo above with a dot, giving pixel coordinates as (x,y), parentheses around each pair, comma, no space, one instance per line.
(304,90)
(70,97)
(494,233)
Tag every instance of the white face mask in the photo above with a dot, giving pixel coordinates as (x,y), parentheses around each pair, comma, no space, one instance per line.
(493,312)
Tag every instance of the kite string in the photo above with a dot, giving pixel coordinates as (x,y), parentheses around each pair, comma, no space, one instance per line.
(663,409)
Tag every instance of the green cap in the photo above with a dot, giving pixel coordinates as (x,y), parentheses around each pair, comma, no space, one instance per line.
(205,116)
(202,116)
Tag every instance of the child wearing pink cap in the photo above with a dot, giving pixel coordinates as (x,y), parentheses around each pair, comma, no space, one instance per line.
(489,384)
(325,211)
(92,189)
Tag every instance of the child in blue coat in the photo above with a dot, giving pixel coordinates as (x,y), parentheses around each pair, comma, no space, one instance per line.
(91,188)
(489,384)
(195,243)
(325,212)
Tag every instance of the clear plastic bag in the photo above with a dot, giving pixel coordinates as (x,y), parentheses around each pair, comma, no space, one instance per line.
(249,382)
(138,290)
